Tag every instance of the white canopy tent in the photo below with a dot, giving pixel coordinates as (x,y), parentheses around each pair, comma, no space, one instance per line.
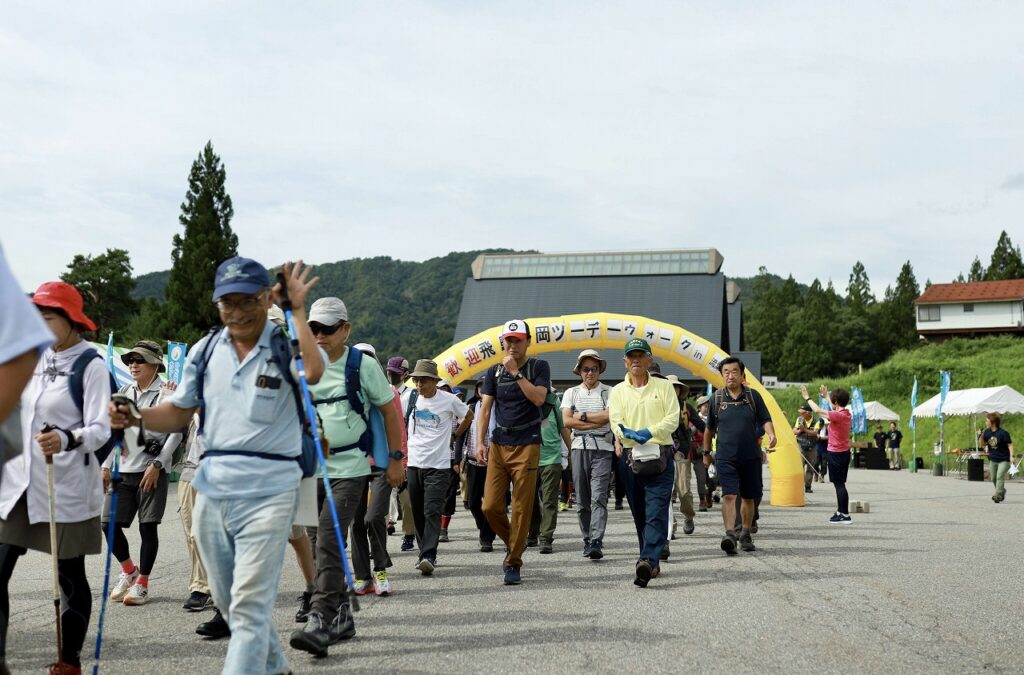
(1003,400)
(876,412)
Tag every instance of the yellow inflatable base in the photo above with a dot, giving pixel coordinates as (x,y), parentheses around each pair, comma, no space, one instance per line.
(787,490)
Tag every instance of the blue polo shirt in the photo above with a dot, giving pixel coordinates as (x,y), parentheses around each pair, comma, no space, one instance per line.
(249,406)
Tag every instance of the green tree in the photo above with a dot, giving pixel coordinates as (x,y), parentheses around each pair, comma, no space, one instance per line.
(1007,262)
(977,272)
(208,240)
(898,322)
(808,349)
(858,290)
(106,284)
(768,319)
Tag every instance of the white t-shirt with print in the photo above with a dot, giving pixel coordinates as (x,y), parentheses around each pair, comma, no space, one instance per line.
(430,430)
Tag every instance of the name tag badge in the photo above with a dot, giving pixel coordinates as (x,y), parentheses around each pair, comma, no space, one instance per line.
(268,382)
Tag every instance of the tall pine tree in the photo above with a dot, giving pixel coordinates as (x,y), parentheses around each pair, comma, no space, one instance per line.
(106,284)
(977,272)
(808,348)
(899,325)
(1007,262)
(208,240)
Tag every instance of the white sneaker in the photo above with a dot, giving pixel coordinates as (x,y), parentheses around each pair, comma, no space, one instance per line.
(138,595)
(362,587)
(124,583)
(381,585)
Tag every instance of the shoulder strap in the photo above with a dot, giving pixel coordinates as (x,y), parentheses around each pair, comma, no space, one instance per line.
(353,387)
(76,382)
(201,363)
(718,404)
(281,352)
(414,396)
(604,396)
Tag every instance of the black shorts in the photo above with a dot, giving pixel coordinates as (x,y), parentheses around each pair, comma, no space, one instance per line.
(131,500)
(740,476)
(838,466)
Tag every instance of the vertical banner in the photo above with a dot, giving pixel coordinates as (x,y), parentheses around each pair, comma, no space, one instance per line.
(176,352)
(913,404)
(943,391)
(860,420)
(708,392)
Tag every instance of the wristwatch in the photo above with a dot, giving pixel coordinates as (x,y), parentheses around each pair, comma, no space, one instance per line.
(396,455)
(518,376)
(583,417)
(158,464)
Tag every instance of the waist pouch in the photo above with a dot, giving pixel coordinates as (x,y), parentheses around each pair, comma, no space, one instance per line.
(648,459)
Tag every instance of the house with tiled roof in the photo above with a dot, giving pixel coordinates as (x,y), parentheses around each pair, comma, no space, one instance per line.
(974,308)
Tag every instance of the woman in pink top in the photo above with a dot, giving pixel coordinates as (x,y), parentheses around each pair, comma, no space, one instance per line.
(839,420)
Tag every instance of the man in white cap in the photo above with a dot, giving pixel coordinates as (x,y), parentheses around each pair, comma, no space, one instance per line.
(348,467)
(514,390)
(585,411)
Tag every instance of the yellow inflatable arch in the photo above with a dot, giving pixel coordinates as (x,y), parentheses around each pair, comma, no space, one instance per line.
(467,359)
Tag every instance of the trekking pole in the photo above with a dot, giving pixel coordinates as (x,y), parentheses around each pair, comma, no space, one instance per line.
(53,551)
(807,462)
(115,479)
(286,307)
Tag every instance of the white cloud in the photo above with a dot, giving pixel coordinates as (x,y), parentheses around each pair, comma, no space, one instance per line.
(868,131)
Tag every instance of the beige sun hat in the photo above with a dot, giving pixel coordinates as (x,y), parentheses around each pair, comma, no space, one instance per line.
(425,368)
(590,354)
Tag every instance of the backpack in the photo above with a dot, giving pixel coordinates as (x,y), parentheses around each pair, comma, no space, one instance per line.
(373,441)
(76,385)
(280,352)
(414,396)
(545,408)
(748,398)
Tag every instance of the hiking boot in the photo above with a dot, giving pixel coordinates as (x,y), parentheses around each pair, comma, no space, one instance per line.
(643,573)
(408,542)
(215,628)
(486,546)
(746,543)
(197,602)
(137,595)
(688,526)
(362,586)
(426,566)
(314,638)
(595,550)
(563,506)
(342,627)
(807,489)
(124,584)
(302,615)
(391,527)
(381,585)
(729,544)
(665,552)
(512,576)
(587,548)
(703,504)
(443,537)
(656,571)
(618,505)
(531,542)
(753,528)
(545,546)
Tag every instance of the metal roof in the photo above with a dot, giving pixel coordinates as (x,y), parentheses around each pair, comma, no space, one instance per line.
(693,302)
(597,263)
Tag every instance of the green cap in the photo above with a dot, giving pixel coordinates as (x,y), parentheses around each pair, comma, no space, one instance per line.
(637,344)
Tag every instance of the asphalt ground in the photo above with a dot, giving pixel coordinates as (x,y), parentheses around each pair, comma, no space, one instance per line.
(928,581)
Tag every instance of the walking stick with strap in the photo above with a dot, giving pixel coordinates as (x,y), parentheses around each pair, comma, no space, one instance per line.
(286,307)
(115,479)
(53,552)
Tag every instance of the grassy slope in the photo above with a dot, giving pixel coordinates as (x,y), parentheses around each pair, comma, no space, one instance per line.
(983,362)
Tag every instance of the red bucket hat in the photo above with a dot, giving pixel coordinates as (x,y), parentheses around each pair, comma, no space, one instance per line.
(65,297)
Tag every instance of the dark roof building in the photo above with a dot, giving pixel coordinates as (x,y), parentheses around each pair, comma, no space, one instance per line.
(680,287)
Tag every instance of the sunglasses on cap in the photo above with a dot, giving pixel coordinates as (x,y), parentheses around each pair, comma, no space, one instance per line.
(319,328)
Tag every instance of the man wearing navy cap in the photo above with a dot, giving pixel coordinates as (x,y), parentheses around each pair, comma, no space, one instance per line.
(515,389)
(247,480)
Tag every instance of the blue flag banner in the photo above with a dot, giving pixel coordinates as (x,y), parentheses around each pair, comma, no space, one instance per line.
(708,392)
(859,423)
(913,404)
(176,353)
(120,375)
(943,391)
(823,403)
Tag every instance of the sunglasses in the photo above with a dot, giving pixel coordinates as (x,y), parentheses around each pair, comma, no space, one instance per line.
(319,328)
(136,360)
(590,369)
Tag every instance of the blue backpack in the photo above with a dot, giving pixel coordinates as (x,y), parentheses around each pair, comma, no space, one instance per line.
(280,352)
(373,441)
(76,385)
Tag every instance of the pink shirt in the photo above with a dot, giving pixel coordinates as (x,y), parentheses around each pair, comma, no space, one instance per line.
(839,422)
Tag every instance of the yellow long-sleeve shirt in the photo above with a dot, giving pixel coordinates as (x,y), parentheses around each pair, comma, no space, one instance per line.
(656,409)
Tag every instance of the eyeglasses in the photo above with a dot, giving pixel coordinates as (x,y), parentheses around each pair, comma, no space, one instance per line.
(246,304)
(136,360)
(590,369)
(319,328)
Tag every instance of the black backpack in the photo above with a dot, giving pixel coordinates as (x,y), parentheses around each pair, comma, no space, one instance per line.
(76,385)
(280,352)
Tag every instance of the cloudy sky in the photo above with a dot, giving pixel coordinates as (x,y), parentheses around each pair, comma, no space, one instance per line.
(798,136)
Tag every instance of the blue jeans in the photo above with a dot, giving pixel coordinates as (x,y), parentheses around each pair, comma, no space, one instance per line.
(649,499)
(241,543)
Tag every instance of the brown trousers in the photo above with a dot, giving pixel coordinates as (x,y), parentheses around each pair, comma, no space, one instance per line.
(515,464)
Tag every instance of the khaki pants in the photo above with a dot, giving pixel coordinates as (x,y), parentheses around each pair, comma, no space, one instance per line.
(408,525)
(197,582)
(516,464)
(810,457)
(683,486)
